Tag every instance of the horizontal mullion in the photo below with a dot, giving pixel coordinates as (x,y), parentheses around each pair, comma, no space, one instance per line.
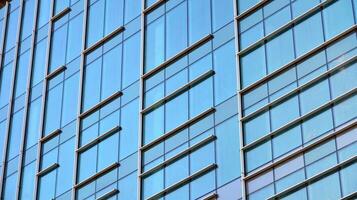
(212,196)
(178,56)
(252,9)
(153,6)
(315,178)
(56,72)
(285,27)
(304,149)
(299,59)
(103,40)
(48,169)
(50,136)
(179,155)
(299,89)
(101,104)
(184,181)
(108,194)
(179,91)
(350,196)
(60,14)
(301,118)
(179,128)
(97,175)
(99,139)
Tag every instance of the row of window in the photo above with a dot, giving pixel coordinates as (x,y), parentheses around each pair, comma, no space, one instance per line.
(307,165)
(301,134)
(194,18)
(188,164)
(300,74)
(299,104)
(296,41)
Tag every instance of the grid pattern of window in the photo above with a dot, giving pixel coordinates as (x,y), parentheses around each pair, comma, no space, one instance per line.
(178,99)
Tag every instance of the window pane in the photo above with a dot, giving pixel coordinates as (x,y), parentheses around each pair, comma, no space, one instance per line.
(153,126)
(256,128)
(176,22)
(334,25)
(111,72)
(280,51)
(70,99)
(199,13)
(284,113)
(326,188)
(258,156)
(253,66)
(155,44)
(131,63)
(317,125)
(308,96)
(222,13)
(95,26)
(308,34)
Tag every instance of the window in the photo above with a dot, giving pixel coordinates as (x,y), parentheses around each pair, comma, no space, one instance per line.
(326,188)
(258,156)
(256,128)
(253,66)
(333,25)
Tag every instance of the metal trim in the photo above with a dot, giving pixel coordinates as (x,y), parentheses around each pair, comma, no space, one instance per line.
(179,55)
(302,118)
(179,155)
(101,104)
(317,177)
(108,194)
(50,136)
(179,91)
(99,139)
(178,128)
(104,40)
(184,181)
(151,8)
(56,72)
(301,150)
(80,94)
(27,101)
(252,9)
(299,59)
(97,175)
(350,196)
(315,80)
(60,14)
(213,196)
(10,104)
(47,170)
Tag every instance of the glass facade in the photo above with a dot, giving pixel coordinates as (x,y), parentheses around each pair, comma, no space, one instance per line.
(178,99)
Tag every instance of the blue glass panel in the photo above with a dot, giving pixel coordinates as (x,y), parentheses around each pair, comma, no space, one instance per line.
(345,110)
(132,9)
(287,141)
(176,171)
(53,109)
(222,13)
(47,186)
(176,31)
(95,24)
(58,46)
(174,118)
(317,125)
(253,66)
(227,143)
(284,113)
(65,170)
(70,99)
(277,20)
(244,5)
(326,188)
(111,72)
(153,126)
(199,19)
(256,127)
(155,44)
(258,156)
(308,34)
(74,38)
(308,97)
(91,88)
(131,63)
(348,181)
(334,25)
(113,15)
(28,181)
(280,51)
(128,137)
(301,6)
(225,68)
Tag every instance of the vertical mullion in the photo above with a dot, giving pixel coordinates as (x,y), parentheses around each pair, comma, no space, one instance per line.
(239,100)
(12,89)
(141,99)
(27,101)
(80,94)
(44,91)
(1,61)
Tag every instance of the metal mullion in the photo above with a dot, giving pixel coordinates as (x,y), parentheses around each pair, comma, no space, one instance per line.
(239,103)
(80,94)
(12,92)
(1,61)
(44,95)
(251,10)
(141,100)
(27,101)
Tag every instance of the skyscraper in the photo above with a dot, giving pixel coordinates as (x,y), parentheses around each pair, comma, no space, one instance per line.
(178,99)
